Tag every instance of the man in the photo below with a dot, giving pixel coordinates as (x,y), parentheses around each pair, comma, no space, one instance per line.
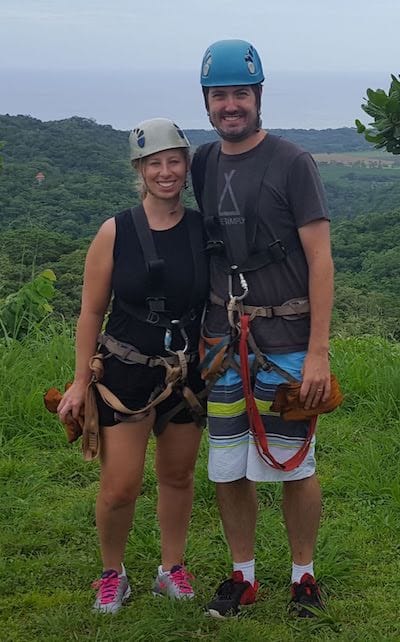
(268,227)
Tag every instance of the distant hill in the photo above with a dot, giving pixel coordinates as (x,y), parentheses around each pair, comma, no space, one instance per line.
(80,143)
(61,179)
(74,143)
(316,141)
(68,175)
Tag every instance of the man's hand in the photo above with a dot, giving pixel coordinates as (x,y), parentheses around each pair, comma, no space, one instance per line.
(316,385)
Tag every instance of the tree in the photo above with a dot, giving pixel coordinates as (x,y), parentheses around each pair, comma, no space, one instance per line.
(384,108)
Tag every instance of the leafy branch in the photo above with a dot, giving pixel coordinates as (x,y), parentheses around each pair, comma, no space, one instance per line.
(384,108)
(20,311)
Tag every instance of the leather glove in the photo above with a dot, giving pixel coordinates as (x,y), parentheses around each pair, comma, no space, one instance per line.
(287,401)
(73,427)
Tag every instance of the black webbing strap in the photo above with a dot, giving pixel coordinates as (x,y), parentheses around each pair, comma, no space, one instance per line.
(155,266)
(217,245)
(198,170)
(155,312)
(274,253)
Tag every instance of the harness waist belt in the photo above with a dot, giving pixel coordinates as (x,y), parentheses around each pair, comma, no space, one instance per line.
(291,308)
(127,353)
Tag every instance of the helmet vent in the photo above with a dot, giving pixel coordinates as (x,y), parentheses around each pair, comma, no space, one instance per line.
(249,58)
(207,63)
(140,137)
(180,132)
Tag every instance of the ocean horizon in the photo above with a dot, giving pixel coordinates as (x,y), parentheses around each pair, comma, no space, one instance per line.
(122,98)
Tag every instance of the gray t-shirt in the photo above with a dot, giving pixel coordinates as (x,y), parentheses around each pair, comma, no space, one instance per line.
(291,196)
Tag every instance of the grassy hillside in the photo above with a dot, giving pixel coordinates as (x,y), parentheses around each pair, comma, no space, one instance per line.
(49,545)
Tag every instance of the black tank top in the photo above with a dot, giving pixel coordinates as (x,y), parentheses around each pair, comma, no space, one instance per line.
(130,283)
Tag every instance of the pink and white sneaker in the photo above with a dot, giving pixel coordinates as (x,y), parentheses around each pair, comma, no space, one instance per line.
(174,583)
(112,591)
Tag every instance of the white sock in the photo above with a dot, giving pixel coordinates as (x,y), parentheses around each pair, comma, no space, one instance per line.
(161,571)
(123,572)
(248,570)
(298,571)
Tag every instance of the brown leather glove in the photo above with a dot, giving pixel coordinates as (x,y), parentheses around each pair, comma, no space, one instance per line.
(287,401)
(73,427)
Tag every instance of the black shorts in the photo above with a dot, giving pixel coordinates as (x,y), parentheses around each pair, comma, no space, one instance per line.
(133,384)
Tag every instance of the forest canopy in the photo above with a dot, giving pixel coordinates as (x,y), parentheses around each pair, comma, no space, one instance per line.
(62,179)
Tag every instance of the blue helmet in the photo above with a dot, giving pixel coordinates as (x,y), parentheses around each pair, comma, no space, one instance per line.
(229,63)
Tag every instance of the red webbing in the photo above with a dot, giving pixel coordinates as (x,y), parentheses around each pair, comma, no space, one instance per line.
(255,421)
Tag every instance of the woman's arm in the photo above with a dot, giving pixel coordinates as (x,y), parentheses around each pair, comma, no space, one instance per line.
(95,299)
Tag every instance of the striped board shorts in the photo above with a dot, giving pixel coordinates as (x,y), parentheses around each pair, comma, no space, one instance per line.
(232,451)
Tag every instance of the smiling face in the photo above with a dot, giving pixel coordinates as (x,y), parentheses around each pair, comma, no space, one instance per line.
(164,173)
(233,112)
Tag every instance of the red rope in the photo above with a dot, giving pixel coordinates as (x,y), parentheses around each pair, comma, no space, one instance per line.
(255,421)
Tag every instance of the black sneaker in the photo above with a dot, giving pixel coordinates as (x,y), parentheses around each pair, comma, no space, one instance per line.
(306,594)
(231,595)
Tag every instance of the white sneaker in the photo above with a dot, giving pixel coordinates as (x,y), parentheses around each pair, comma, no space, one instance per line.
(113,591)
(174,583)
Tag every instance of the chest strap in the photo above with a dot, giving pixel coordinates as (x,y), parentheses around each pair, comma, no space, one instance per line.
(154,310)
(154,264)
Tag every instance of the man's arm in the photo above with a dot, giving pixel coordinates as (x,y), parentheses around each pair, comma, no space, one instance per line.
(315,239)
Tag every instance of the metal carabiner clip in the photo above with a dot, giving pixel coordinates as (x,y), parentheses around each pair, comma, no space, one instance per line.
(243,284)
(245,287)
(186,340)
(168,339)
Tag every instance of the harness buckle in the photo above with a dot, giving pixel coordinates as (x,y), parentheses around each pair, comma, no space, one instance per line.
(278,251)
(156,304)
(266,365)
(153,317)
(215,247)
(127,349)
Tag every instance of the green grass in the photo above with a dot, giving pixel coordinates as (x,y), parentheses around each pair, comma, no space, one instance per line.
(348,174)
(48,543)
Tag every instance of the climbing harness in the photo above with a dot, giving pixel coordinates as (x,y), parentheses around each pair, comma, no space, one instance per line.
(221,351)
(175,363)
(241,339)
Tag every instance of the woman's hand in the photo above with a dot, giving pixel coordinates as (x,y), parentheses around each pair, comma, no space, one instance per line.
(72,401)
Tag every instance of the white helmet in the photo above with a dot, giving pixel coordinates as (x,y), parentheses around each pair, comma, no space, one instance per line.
(155,135)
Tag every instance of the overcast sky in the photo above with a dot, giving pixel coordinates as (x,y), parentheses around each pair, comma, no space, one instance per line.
(346,36)
(289,34)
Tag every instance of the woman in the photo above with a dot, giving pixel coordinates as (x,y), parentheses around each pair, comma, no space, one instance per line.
(151,260)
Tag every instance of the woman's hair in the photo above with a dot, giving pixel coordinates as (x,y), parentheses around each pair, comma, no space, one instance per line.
(140,185)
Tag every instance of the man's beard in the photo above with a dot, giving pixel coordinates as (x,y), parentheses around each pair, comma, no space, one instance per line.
(237,137)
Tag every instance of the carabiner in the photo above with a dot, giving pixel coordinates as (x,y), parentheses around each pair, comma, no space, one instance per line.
(167,341)
(245,287)
(243,284)
(186,340)
(168,338)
